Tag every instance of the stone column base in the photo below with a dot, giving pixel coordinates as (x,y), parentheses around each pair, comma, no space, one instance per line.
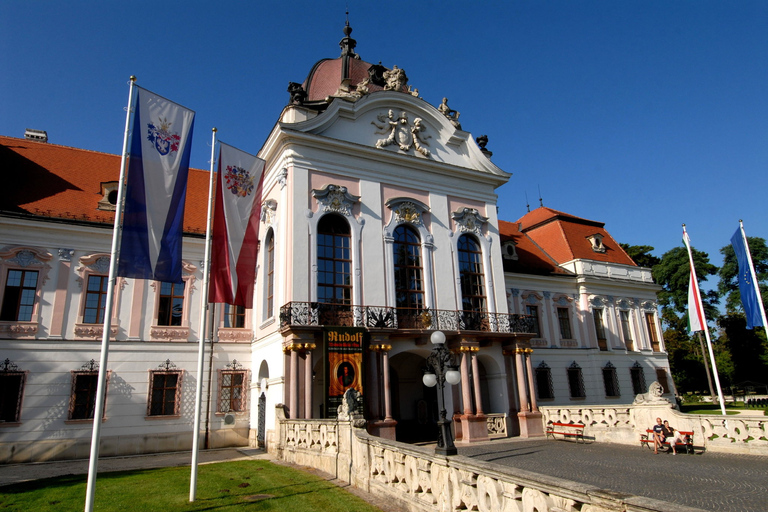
(383,428)
(530,424)
(472,427)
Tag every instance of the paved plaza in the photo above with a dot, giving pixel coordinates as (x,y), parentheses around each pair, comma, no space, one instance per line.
(709,481)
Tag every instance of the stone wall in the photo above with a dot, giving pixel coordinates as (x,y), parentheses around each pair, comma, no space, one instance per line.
(419,480)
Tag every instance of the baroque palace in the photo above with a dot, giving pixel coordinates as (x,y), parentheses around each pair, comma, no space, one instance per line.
(379,227)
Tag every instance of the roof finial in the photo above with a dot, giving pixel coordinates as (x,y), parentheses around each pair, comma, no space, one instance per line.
(541,201)
(527,204)
(347,44)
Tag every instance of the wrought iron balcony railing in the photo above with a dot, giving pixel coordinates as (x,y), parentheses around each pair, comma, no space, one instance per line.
(381,317)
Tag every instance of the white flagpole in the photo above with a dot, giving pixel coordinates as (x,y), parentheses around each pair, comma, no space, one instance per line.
(695,283)
(98,413)
(754,276)
(203,318)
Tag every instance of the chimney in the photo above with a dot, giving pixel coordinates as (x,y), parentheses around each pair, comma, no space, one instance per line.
(38,135)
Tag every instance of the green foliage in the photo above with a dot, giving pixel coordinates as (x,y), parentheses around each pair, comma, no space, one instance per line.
(686,361)
(747,349)
(728,286)
(641,254)
(672,274)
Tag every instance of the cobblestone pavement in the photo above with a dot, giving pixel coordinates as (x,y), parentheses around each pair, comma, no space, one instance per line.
(709,481)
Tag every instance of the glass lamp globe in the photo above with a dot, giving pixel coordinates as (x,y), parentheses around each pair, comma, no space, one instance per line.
(437,338)
(429,379)
(452,376)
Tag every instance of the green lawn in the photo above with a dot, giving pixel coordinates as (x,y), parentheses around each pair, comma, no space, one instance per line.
(709,408)
(226,486)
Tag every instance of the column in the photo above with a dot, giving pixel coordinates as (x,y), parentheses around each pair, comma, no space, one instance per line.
(387,392)
(531,386)
(60,297)
(293,393)
(522,390)
(465,383)
(476,383)
(308,381)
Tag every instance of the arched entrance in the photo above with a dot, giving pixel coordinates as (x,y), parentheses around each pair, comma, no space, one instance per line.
(414,405)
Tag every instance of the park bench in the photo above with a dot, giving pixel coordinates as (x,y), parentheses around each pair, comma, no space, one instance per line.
(647,440)
(567,430)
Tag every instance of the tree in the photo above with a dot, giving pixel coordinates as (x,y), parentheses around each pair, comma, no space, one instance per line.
(672,274)
(728,286)
(747,348)
(640,254)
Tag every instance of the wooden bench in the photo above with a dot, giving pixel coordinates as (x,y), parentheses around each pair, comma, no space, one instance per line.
(647,440)
(567,430)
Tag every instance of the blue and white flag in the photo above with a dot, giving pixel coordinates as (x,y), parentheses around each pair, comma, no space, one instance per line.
(748,284)
(161,140)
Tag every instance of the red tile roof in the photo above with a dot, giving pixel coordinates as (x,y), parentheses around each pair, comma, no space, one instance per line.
(564,237)
(531,259)
(49,180)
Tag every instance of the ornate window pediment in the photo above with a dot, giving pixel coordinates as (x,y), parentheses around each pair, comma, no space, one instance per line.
(469,220)
(335,198)
(407,210)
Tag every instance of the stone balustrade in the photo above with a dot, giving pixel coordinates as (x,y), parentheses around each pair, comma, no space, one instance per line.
(419,480)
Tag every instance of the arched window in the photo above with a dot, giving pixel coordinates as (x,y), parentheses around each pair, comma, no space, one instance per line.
(409,282)
(334,261)
(270,274)
(471,274)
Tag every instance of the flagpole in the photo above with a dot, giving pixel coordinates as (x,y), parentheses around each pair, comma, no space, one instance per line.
(754,276)
(203,318)
(705,327)
(98,413)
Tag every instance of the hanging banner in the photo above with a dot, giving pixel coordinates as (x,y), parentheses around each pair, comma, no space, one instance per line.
(344,365)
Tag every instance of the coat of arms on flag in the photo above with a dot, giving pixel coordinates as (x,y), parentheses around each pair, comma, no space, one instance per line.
(165,142)
(239,181)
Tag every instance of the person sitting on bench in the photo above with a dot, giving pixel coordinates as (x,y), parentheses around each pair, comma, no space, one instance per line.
(672,436)
(658,435)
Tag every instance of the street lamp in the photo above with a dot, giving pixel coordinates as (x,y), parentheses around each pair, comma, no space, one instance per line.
(441,368)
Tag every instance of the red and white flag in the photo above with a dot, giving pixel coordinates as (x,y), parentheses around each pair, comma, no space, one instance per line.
(696,319)
(236,227)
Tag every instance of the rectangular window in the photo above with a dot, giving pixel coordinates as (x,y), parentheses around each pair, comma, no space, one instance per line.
(270,276)
(233,391)
(83,399)
(234,316)
(661,376)
(653,335)
(19,296)
(597,315)
(626,330)
(533,312)
(95,299)
(164,393)
(611,381)
(171,304)
(565,323)
(11,391)
(638,379)
(576,382)
(544,387)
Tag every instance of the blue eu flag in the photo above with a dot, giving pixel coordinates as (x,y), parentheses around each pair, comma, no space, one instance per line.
(748,285)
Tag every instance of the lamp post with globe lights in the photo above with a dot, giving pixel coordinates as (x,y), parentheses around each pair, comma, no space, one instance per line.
(441,368)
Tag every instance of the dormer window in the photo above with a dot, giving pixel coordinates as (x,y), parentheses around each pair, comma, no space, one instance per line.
(597,242)
(108,200)
(508,251)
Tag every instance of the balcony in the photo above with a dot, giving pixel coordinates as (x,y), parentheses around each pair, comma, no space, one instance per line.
(309,314)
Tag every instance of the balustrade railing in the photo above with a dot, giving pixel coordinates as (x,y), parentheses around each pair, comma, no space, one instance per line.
(382,317)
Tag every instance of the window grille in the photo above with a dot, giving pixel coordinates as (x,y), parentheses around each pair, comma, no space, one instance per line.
(233,388)
(638,379)
(611,381)
(544,388)
(12,382)
(576,381)
(164,390)
(82,402)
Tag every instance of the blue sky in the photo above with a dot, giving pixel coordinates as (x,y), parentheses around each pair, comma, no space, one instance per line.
(641,114)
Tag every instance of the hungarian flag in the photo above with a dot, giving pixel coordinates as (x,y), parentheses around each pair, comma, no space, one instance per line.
(156,189)
(236,227)
(696,319)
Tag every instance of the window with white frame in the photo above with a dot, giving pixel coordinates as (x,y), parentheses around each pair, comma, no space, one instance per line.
(653,334)
(626,330)
(533,312)
(164,397)
(19,295)
(409,282)
(471,275)
(576,381)
(171,304)
(12,382)
(234,316)
(23,270)
(611,381)
(597,315)
(563,318)
(334,260)
(270,273)
(95,299)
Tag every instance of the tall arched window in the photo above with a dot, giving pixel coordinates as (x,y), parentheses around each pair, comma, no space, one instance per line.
(270,274)
(334,261)
(409,282)
(471,274)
